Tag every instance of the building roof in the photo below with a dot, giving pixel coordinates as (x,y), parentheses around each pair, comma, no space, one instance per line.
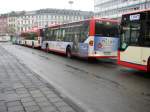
(50,11)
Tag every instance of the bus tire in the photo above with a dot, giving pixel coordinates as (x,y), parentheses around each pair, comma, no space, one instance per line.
(47,47)
(25,43)
(68,52)
(92,59)
(148,65)
(32,44)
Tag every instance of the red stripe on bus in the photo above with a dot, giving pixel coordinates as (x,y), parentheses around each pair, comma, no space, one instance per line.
(92,27)
(118,55)
(102,56)
(132,65)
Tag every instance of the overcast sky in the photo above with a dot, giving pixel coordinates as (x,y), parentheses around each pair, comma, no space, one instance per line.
(18,5)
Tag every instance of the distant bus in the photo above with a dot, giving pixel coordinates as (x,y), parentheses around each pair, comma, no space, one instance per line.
(32,38)
(135,40)
(94,38)
(4,38)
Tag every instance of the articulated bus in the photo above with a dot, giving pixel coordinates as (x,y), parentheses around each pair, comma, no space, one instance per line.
(93,38)
(135,40)
(32,38)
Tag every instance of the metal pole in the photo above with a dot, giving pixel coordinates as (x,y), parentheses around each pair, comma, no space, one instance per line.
(145,4)
(71,2)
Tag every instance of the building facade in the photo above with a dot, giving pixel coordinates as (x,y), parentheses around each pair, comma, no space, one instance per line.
(24,21)
(3,25)
(115,8)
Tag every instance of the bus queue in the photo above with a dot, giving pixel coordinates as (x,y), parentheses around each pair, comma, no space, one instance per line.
(128,41)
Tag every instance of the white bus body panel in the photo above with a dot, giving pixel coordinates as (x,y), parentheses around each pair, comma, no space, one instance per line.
(145,55)
(29,42)
(56,45)
(34,42)
(4,38)
(84,50)
(136,55)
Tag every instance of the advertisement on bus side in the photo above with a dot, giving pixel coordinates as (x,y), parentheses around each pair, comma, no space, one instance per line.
(106,44)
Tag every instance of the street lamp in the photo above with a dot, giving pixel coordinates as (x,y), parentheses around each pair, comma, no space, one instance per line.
(71,2)
(145,4)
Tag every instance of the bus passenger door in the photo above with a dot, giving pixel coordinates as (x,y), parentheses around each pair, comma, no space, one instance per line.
(75,46)
(133,51)
(146,43)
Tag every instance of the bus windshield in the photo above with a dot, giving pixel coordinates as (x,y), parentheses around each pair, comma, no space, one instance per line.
(30,36)
(130,34)
(106,29)
(135,30)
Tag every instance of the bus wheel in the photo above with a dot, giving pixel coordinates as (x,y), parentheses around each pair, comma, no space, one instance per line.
(148,65)
(92,59)
(68,52)
(47,47)
(32,44)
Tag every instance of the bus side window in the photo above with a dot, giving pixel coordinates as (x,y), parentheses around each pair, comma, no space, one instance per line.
(147,35)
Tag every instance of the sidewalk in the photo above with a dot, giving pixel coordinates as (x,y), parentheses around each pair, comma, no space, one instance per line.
(21,90)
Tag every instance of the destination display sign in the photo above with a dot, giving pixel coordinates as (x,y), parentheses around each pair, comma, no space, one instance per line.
(134,17)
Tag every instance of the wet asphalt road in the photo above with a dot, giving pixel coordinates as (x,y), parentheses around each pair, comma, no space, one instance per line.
(101,86)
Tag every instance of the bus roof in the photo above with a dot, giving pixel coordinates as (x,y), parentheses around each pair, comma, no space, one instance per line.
(34,30)
(144,10)
(107,20)
(100,19)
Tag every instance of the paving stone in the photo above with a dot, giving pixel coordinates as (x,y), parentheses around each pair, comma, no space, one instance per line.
(40,99)
(47,92)
(15,109)
(60,104)
(45,89)
(32,88)
(44,104)
(10,92)
(13,103)
(2,103)
(55,99)
(32,108)
(49,109)
(11,97)
(24,95)
(52,95)
(21,90)
(2,96)
(65,109)
(3,108)
(18,85)
(31,103)
(36,93)
(28,84)
(26,99)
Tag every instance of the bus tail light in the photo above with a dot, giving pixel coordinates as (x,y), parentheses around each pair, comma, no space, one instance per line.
(91,43)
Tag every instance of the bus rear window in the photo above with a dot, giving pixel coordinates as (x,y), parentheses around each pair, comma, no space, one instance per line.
(106,29)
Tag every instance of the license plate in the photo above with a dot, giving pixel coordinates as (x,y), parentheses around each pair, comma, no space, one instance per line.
(107,53)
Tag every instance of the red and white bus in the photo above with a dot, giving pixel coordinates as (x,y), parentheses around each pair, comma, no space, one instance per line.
(135,40)
(93,38)
(32,38)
